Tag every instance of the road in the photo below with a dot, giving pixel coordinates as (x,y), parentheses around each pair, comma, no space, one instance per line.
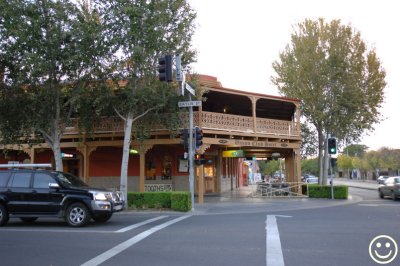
(268,232)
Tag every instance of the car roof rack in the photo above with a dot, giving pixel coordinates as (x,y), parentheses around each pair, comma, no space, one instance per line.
(26,165)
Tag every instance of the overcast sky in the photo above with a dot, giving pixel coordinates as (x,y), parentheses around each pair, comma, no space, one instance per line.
(238,40)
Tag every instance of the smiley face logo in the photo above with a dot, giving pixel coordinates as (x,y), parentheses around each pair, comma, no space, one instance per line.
(383,249)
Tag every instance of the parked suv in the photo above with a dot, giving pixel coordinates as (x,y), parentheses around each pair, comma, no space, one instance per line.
(29,194)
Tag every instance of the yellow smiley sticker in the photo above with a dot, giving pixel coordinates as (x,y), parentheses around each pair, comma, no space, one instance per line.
(383,249)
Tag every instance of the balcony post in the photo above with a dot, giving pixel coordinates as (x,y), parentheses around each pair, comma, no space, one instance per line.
(253,108)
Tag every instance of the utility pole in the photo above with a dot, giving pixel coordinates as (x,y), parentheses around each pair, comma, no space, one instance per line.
(180,76)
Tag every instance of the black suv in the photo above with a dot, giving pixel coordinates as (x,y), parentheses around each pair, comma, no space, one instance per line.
(30,194)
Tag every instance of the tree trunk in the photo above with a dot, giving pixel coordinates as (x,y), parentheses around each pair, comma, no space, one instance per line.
(125,155)
(326,163)
(56,147)
(320,156)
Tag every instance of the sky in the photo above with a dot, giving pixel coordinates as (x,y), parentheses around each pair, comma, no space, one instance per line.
(237,42)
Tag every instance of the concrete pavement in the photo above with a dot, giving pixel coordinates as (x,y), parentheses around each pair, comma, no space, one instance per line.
(242,200)
(357,183)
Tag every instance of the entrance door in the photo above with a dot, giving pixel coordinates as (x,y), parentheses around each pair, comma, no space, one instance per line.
(71,166)
(210,179)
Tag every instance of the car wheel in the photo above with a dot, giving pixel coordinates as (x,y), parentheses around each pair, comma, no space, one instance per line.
(28,219)
(3,215)
(101,218)
(381,194)
(77,215)
(394,196)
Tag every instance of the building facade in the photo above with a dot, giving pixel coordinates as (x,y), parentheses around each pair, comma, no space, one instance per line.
(237,126)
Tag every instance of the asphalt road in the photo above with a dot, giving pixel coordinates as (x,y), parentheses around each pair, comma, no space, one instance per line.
(266,232)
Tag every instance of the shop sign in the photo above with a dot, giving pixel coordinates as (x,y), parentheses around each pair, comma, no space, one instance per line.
(68,155)
(234,154)
(158,187)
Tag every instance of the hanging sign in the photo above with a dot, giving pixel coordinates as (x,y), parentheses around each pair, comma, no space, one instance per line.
(234,154)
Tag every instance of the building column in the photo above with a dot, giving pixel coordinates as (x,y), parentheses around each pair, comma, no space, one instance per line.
(200,189)
(142,148)
(200,192)
(31,154)
(290,168)
(253,108)
(86,151)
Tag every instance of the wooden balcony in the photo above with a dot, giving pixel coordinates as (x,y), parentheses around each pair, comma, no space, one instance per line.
(209,121)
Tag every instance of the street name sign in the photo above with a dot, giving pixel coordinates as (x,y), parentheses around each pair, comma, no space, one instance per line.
(189,103)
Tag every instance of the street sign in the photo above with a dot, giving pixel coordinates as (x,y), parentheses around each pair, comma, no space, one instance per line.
(189,103)
(189,89)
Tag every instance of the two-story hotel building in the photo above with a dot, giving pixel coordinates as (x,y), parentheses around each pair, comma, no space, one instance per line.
(236,125)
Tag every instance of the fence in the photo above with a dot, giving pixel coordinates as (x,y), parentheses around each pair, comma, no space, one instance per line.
(284,189)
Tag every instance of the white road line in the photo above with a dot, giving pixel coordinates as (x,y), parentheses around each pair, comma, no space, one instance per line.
(128,243)
(274,256)
(123,230)
(378,205)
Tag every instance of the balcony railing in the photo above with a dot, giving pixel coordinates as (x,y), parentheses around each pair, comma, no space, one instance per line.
(211,121)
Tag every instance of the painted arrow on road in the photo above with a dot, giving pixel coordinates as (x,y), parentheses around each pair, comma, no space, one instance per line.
(274,256)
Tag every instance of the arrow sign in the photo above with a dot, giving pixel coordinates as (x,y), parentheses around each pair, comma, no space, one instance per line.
(274,248)
(189,103)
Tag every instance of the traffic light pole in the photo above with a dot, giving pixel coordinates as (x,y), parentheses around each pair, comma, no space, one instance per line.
(191,153)
(180,77)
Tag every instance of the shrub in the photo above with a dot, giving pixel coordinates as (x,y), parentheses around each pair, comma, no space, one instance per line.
(178,201)
(317,191)
(181,201)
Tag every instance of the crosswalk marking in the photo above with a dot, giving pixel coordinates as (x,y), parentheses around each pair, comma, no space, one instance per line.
(128,243)
(122,230)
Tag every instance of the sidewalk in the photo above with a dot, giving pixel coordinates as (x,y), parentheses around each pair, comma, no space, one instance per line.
(357,183)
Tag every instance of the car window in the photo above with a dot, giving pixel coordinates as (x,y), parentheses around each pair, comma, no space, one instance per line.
(69,180)
(42,180)
(397,180)
(4,178)
(22,180)
(389,181)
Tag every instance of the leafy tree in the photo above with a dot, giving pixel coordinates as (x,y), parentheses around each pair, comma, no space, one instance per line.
(49,51)
(269,167)
(309,166)
(355,150)
(139,33)
(309,147)
(345,162)
(389,158)
(340,81)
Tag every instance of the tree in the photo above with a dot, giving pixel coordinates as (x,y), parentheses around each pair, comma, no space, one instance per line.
(345,162)
(340,81)
(49,52)
(310,166)
(269,167)
(355,150)
(309,147)
(139,33)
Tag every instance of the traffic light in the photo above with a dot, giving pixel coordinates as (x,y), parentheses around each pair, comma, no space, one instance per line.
(333,162)
(332,148)
(199,159)
(184,137)
(198,136)
(165,68)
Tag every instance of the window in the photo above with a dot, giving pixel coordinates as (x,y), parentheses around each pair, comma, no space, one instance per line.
(42,180)
(4,178)
(20,180)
